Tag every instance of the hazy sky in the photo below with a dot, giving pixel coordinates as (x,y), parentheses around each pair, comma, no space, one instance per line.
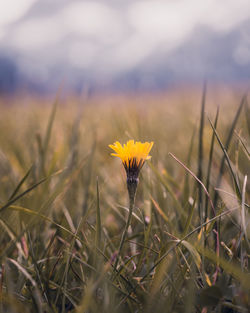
(106,38)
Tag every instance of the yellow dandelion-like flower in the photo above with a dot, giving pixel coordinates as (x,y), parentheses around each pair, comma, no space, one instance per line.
(133,155)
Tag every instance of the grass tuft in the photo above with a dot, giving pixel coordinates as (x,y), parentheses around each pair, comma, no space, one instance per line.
(66,244)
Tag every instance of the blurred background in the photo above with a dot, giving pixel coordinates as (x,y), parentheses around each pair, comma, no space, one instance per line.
(118,45)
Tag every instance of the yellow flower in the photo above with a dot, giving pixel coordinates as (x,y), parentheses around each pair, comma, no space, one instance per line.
(133,155)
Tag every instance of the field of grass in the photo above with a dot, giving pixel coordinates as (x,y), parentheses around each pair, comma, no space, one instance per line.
(64,204)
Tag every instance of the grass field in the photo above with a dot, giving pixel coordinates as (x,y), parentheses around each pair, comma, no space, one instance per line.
(64,204)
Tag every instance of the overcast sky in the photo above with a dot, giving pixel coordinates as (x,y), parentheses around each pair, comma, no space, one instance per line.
(107,38)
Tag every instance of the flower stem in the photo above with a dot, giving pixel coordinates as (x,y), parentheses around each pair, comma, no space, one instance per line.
(131,191)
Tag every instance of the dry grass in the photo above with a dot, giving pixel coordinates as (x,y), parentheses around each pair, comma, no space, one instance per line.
(179,256)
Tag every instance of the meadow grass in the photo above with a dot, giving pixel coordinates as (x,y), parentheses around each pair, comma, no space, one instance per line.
(64,204)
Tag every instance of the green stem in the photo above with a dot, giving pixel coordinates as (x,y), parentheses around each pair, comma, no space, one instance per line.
(124,235)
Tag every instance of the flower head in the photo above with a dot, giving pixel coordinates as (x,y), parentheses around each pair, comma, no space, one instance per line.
(133,155)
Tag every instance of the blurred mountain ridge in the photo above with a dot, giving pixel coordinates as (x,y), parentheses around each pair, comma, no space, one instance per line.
(205,54)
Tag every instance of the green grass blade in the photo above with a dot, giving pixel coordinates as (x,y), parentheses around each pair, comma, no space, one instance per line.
(210,162)
(49,129)
(20,184)
(200,155)
(227,144)
(194,253)
(245,149)
(98,218)
(195,177)
(13,236)
(43,217)
(98,226)
(10,202)
(190,217)
(227,159)
(186,188)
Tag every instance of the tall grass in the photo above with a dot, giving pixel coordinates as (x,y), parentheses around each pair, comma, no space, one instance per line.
(64,206)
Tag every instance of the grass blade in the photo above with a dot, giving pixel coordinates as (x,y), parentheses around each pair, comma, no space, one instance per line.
(247,109)
(49,129)
(20,184)
(194,253)
(245,149)
(186,187)
(210,162)
(227,144)
(227,159)
(199,181)
(200,155)
(243,211)
(10,202)
(98,218)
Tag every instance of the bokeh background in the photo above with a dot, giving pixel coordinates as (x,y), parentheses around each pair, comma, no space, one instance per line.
(122,45)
